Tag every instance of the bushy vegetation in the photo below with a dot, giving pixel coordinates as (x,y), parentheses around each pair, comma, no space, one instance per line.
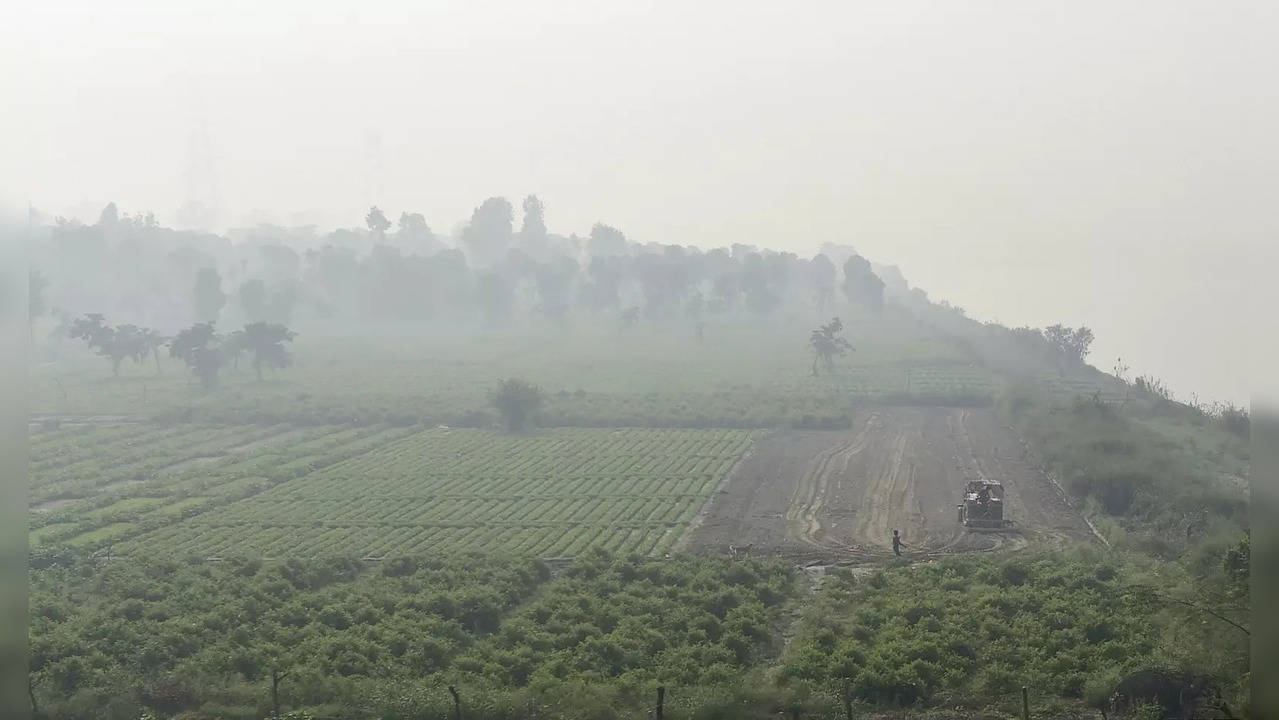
(1166,476)
(976,629)
(518,402)
(973,631)
(386,640)
(111,641)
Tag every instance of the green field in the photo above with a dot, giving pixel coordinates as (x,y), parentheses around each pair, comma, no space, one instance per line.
(358,522)
(140,478)
(374,491)
(594,375)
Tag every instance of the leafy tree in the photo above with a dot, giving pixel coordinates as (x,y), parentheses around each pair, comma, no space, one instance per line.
(533,229)
(827,344)
(377,222)
(554,282)
(413,223)
(93,329)
(663,278)
(281,262)
(760,297)
(282,301)
(1070,344)
(605,241)
(1235,420)
(253,299)
(109,217)
(517,400)
(414,234)
(209,298)
(266,342)
(495,296)
(197,348)
(153,341)
(233,347)
(603,290)
(116,344)
(726,290)
(260,304)
(861,285)
(822,274)
(488,235)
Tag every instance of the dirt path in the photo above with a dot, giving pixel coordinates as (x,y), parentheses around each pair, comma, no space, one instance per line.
(53,422)
(839,495)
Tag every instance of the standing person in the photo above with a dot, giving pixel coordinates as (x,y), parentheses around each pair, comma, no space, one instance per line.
(897,544)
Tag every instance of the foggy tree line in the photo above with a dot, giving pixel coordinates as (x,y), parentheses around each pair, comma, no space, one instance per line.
(489,274)
(402,272)
(199,347)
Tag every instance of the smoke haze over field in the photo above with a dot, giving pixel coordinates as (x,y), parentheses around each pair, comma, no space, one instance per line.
(1097,164)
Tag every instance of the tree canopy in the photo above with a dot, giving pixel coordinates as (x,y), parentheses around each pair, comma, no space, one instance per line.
(1071,344)
(518,401)
(377,222)
(197,347)
(827,344)
(862,286)
(114,343)
(489,233)
(266,342)
(209,298)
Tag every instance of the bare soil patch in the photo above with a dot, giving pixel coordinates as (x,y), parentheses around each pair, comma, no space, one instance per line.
(49,506)
(191,463)
(54,422)
(271,436)
(838,495)
(117,484)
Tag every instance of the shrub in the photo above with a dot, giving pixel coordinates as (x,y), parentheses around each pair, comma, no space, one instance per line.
(517,400)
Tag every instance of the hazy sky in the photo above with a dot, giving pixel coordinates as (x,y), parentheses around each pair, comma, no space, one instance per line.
(1107,163)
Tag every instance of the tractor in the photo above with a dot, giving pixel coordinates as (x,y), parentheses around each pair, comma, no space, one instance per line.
(983,506)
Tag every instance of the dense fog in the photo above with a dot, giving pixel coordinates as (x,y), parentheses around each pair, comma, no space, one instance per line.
(1104,167)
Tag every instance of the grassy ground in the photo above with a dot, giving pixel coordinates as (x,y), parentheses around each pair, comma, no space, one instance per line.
(740,376)
(1165,480)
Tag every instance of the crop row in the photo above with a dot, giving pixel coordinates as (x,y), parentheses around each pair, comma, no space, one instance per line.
(444,489)
(129,459)
(327,485)
(384,541)
(199,468)
(459,512)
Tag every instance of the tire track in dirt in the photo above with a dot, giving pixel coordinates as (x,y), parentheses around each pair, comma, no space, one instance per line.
(838,495)
(802,523)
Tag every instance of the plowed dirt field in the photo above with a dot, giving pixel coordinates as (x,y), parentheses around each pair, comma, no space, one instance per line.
(838,495)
